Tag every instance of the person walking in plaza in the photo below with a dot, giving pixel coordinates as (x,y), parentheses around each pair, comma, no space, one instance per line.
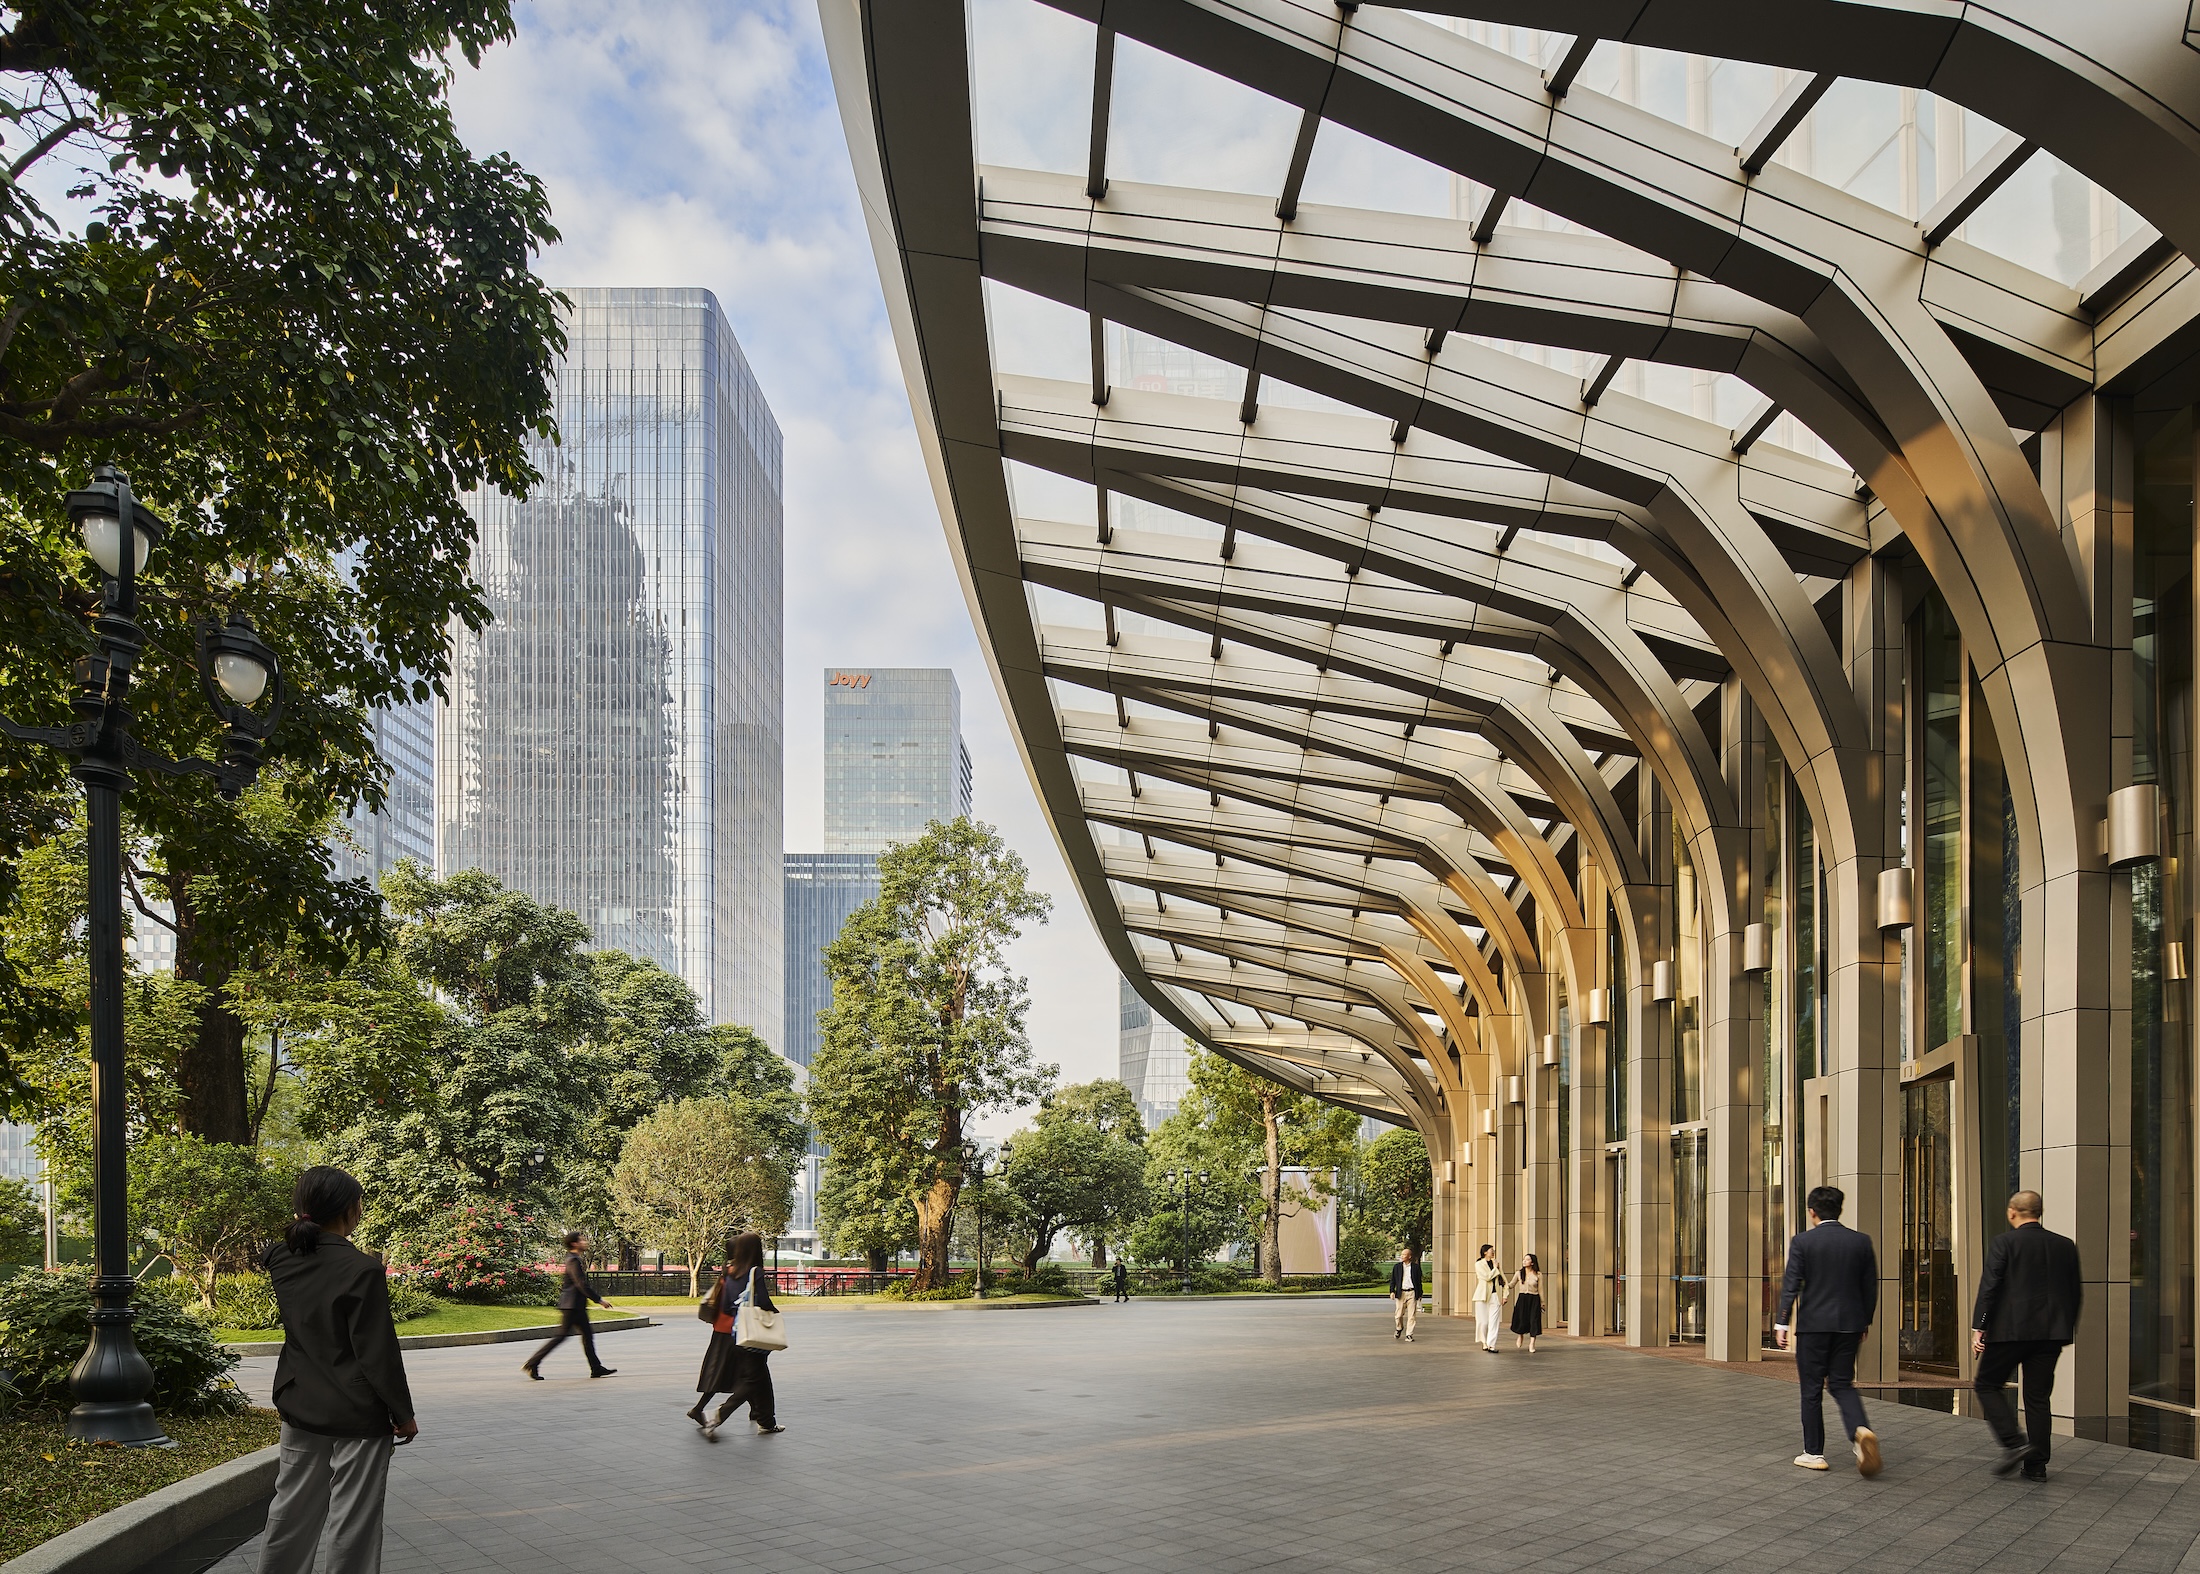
(2029,1295)
(1488,1298)
(1405,1294)
(743,1375)
(1122,1281)
(339,1384)
(1827,1298)
(1527,1318)
(574,1294)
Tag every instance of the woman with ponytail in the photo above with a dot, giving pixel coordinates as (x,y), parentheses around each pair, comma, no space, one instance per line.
(339,1385)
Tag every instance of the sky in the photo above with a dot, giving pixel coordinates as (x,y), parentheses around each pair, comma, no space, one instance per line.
(690,144)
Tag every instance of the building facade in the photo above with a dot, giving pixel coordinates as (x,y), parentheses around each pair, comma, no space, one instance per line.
(611,742)
(1153,1057)
(404,736)
(1669,669)
(894,755)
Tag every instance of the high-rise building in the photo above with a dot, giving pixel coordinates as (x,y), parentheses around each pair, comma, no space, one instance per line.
(1153,1059)
(894,755)
(404,736)
(894,762)
(611,743)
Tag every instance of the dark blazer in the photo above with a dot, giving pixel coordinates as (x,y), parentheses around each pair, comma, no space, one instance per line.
(1398,1271)
(340,1373)
(2031,1287)
(715,1302)
(576,1290)
(1832,1281)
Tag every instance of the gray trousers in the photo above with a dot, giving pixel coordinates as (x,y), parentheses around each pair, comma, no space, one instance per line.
(320,1480)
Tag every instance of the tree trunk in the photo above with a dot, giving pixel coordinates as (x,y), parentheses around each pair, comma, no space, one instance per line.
(878,1262)
(210,1071)
(1099,1252)
(935,1232)
(695,1272)
(1271,1241)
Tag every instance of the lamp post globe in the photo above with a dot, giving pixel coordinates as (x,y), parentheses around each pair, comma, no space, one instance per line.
(111,1380)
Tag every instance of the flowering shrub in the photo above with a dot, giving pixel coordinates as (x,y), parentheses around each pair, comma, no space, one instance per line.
(481,1252)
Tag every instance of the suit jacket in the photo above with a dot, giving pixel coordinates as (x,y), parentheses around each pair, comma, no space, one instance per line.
(340,1373)
(1489,1282)
(1398,1271)
(576,1291)
(717,1304)
(1832,1281)
(2031,1287)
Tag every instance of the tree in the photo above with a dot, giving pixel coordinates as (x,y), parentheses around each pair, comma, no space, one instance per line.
(22,1222)
(926,1028)
(1395,1174)
(282,293)
(697,1172)
(1275,1127)
(858,1216)
(1082,1166)
(207,1204)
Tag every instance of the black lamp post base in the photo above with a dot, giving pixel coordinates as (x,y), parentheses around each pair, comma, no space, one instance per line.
(120,1421)
(112,1377)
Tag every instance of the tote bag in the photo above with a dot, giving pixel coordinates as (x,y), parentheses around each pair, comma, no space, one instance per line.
(753,1327)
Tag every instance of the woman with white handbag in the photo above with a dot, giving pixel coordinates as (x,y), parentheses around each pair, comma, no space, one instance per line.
(745,1329)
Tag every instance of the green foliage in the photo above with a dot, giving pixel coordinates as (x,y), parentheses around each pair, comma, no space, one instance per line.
(45,1322)
(408,1300)
(208,1205)
(957,1287)
(1246,1123)
(1394,1174)
(287,298)
(696,1172)
(1105,1105)
(1165,1235)
(1047,1278)
(1067,1174)
(926,1028)
(1361,1250)
(246,1300)
(22,1222)
(481,1252)
(859,1215)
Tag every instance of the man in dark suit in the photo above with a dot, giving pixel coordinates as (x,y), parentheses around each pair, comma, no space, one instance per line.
(2028,1299)
(1122,1281)
(1827,1298)
(1405,1294)
(574,1294)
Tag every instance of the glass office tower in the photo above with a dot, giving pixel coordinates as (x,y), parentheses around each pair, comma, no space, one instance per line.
(1153,1058)
(404,735)
(894,755)
(612,739)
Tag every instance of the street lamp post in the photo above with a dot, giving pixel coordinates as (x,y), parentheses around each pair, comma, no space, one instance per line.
(111,1379)
(1182,1179)
(974,1161)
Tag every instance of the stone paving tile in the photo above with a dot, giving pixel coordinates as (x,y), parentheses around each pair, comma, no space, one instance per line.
(1222,1438)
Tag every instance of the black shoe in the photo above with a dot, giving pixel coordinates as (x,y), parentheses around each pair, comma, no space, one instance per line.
(696,1415)
(2035,1472)
(603,1371)
(2011,1458)
(529,1369)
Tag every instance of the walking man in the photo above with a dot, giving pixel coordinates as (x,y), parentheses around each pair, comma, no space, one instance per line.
(2028,1299)
(1122,1282)
(1405,1294)
(574,1294)
(1827,1298)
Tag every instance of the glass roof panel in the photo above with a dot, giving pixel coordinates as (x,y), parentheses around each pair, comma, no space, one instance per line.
(1029,61)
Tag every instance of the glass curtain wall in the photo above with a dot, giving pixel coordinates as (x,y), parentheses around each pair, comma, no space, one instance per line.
(1564,1019)
(1691,1136)
(2162,1313)
(1615,1111)
(1775,1067)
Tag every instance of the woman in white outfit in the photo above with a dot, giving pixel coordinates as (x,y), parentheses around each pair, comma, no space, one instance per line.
(1489,1299)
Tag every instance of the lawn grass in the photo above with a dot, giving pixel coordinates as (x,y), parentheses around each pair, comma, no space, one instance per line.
(452,1319)
(50,1483)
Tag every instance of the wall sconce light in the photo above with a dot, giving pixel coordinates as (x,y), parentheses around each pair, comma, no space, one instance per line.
(1489,1123)
(1894,898)
(1661,982)
(1451,1176)
(2132,832)
(1512,1091)
(1600,1007)
(1550,1049)
(1757,948)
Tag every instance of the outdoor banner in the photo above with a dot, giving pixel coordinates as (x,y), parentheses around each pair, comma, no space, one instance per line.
(1309,1228)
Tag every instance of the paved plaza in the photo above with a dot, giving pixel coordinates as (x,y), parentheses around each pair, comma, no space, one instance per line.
(1215,1436)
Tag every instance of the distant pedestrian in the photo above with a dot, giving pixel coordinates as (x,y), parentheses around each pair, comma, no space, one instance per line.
(574,1294)
(1488,1298)
(1827,1298)
(1122,1281)
(2028,1300)
(1527,1318)
(1405,1294)
(339,1384)
(743,1375)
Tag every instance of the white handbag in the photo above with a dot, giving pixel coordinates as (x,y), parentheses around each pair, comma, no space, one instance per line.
(753,1327)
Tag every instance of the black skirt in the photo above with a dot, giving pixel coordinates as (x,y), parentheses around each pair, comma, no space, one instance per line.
(1528,1314)
(722,1364)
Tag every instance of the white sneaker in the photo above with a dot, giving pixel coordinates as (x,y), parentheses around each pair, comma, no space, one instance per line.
(1811,1461)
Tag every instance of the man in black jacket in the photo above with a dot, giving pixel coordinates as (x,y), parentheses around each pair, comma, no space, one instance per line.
(574,1294)
(1405,1294)
(2028,1299)
(1827,1297)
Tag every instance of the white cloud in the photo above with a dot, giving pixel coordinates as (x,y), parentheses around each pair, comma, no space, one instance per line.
(687,143)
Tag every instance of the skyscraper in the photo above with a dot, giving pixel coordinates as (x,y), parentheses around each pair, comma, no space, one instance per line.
(894,762)
(612,739)
(404,735)
(1152,1059)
